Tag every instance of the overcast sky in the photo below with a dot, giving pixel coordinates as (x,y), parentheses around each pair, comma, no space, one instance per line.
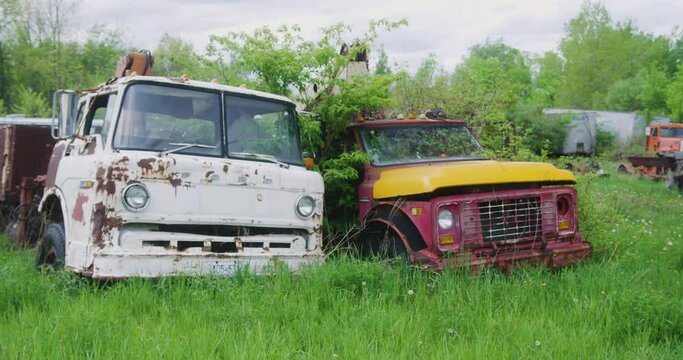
(446,28)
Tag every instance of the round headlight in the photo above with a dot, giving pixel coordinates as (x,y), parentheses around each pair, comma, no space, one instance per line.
(445,219)
(563,206)
(305,206)
(135,197)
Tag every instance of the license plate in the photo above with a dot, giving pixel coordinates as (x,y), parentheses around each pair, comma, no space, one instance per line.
(224,268)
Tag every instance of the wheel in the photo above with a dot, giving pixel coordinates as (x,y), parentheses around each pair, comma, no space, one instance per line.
(51,249)
(384,244)
(670,179)
(622,170)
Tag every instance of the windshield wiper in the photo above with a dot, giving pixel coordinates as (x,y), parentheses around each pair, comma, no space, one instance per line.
(183,146)
(270,158)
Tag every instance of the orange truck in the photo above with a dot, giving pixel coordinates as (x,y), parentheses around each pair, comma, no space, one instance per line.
(665,141)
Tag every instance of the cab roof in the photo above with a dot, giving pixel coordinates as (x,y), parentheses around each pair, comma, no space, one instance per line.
(668,126)
(399,122)
(190,83)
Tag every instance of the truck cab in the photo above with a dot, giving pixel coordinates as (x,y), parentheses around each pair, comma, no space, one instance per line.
(166,176)
(430,195)
(664,138)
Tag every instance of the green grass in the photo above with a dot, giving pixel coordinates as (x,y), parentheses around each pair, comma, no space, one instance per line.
(625,303)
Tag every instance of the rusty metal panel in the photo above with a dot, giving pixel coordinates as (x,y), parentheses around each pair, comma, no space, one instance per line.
(652,161)
(26,153)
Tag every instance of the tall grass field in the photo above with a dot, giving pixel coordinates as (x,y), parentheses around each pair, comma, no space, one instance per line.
(625,303)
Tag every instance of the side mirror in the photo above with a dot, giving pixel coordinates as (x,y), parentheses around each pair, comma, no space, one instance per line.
(647,131)
(64,103)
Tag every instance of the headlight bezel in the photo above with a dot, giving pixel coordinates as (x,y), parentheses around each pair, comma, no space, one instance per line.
(297,207)
(127,204)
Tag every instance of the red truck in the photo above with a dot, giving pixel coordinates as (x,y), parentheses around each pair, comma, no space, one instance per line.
(430,194)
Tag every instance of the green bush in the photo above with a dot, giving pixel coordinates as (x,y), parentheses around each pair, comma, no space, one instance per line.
(604,141)
(30,103)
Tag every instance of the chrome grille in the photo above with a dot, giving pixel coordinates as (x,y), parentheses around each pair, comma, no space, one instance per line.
(510,219)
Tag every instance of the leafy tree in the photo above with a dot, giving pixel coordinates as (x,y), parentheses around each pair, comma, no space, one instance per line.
(361,95)
(4,73)
(598,54)
(280,60)
(513,63)
(645,91)
(674,99)
(675,56)
(175,57)
(547,80)
(30,103)
(536,132)
(428,88)
(652,94)
(623,95)
(483,93)
(382,67)
(97,56)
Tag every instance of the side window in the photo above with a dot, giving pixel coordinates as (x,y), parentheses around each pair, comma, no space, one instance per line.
(80,117)
(101,115)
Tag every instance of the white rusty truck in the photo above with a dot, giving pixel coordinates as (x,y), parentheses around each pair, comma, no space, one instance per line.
(154,176)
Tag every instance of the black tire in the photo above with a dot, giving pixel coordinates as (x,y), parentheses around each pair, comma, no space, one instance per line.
(51,248)
(622,170)
(382,244)
(680,183)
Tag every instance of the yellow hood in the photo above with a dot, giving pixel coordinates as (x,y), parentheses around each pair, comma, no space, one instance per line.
(427,178)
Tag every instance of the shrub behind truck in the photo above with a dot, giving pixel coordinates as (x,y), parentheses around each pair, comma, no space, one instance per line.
(154,176)
(430,195)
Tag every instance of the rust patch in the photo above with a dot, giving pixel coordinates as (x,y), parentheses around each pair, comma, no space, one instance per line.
(107,178)
(98,214)
(103,184)
(209,176)
(77,215)
(102,224)
(146,164)
(153,168)
(161,167)
(55,158)
(175,182)
(225,168)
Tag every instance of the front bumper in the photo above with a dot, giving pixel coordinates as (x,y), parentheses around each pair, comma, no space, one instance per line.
(123,265)
(154,254)
(555,256)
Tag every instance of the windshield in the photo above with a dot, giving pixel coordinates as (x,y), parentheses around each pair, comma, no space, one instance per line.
(421,143)
(262,130)
(164,118)
(672,132)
